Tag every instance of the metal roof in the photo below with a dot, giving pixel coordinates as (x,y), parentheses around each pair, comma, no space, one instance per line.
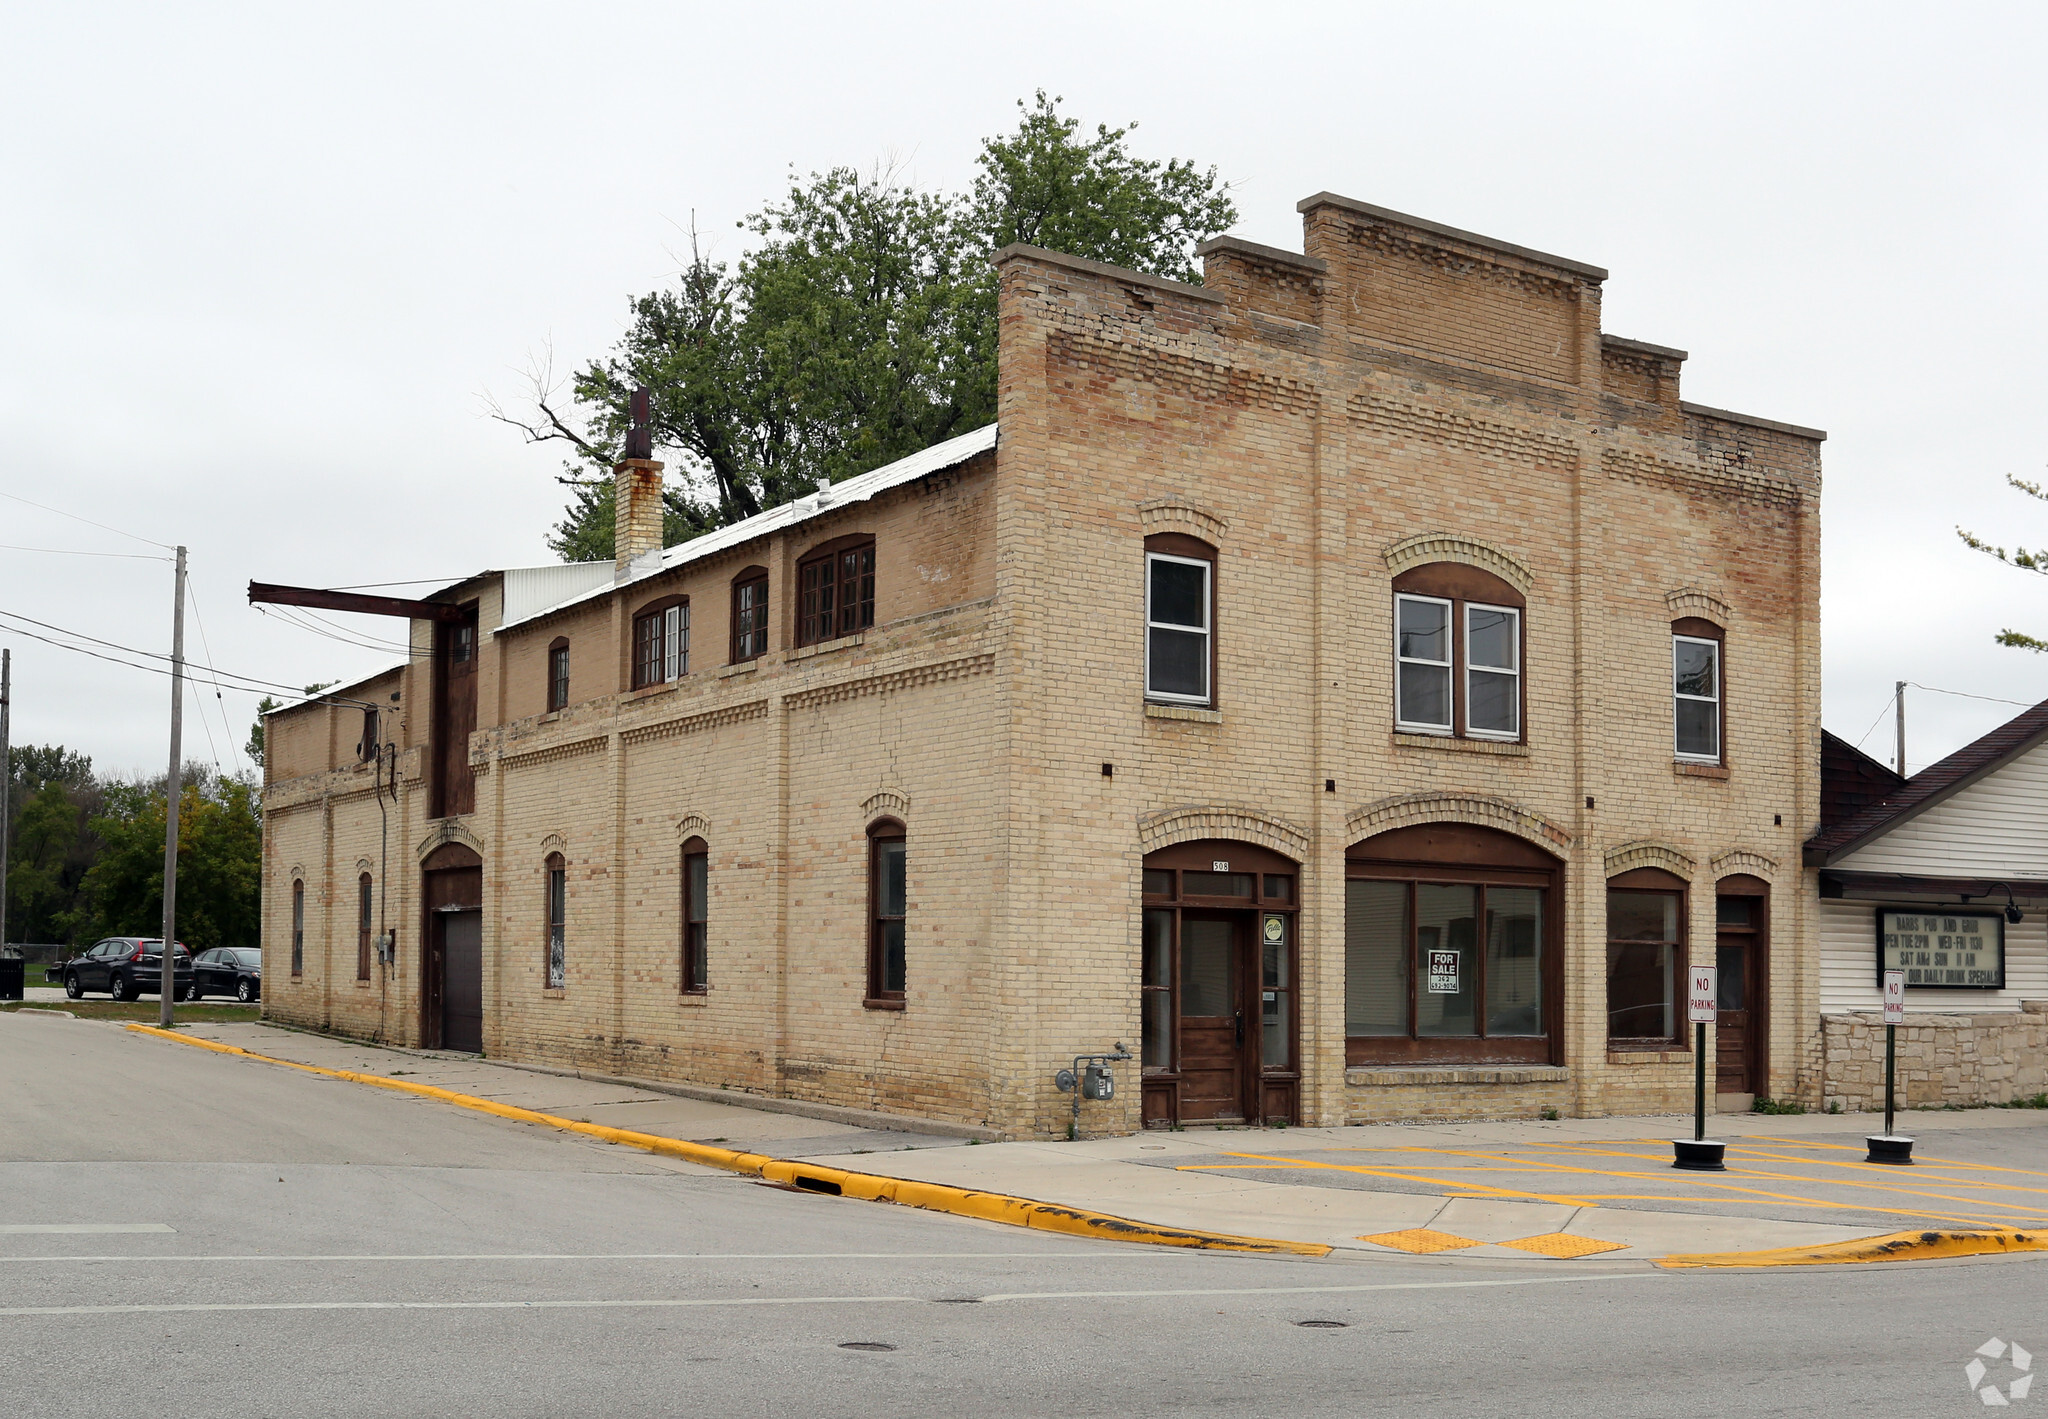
(937,458)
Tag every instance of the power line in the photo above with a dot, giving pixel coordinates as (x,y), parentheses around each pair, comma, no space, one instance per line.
(219,701)
(251,680)
(148,541)
(72,552)
(1965,694)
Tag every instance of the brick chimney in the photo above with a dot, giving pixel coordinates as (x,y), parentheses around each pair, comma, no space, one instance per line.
(636,489)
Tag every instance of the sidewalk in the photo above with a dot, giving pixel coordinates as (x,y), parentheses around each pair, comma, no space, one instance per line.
(1523,1190)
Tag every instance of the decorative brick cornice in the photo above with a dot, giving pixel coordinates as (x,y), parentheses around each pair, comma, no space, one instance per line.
(693,825)
(1700,480)
(1173,515)
(911,678)
(1743,859)
(448,831)
(1694,601)
(1630,856)
(1428,547)
(886,802)
(1462,431)
(695,723)
(1180,825)
(1409,810)
(553,753)
(1197,380)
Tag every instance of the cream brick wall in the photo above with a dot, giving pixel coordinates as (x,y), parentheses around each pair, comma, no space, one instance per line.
(1306,414)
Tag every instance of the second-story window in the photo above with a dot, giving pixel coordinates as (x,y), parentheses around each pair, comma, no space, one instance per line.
(1696,690)
(836,592)
(750,615)
(1180,620)
(696,917)
(558,675)
(366,747)
(1457,653)
(661,643)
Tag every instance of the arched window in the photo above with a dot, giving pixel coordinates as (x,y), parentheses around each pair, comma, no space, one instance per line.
(836,589)
(363,923)
(558,921)
(1458,644)
(1698,704)
(696,944)
(1646,959)
(1450,934)
(888,914)
(558,673)
(298,926)
(1180,619)
(749,614)
(661,643)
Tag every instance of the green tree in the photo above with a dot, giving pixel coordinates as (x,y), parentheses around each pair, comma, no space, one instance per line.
(860,328)
(220,853)
(2035,561)
(50,846)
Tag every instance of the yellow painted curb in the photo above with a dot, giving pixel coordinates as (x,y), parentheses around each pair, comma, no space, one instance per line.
(868,1187)
(1897,1246)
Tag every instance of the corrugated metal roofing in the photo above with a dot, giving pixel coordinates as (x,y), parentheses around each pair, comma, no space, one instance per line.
(937,458)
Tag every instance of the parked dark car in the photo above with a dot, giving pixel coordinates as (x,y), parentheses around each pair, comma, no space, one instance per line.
(125,967)
(228,970)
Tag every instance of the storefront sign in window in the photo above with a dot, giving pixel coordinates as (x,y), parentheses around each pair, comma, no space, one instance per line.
(1443,972)
(1943,950)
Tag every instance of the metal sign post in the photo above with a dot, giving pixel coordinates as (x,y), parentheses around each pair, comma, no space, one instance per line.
(1888,1147)
(1702,1001)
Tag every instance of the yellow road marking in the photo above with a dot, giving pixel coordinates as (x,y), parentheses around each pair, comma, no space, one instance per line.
(868,1187)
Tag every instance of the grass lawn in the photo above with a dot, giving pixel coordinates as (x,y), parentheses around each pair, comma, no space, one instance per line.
(145,1011)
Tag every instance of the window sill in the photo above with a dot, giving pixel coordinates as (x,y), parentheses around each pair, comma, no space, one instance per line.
(1501,748)
(882,1004)
(554,992)
(745,667)
(1686,770)
(1381,1076)
(805,652)
(697,998)
(1186,713)
(1646,1053)
(648,692)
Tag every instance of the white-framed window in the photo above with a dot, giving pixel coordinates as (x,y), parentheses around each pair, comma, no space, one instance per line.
(1179,644)
(1696,695)
(1493,671)
(1422,664)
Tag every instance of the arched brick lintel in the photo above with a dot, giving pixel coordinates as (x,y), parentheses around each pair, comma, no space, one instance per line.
(1411,809)
(1181,825)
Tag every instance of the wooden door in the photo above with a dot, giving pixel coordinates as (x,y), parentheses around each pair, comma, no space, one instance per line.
(1734,1040)
(454,784)
(462,980)
(1214,1035)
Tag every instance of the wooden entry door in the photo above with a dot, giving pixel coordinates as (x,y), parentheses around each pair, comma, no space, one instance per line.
(1215,1038)
(1734,1036)
(462,979)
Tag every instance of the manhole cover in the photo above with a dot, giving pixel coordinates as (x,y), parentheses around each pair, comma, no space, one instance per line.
(864,1345)
(1324,1324)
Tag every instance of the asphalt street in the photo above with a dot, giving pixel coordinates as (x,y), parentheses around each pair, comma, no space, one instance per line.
(245,1240)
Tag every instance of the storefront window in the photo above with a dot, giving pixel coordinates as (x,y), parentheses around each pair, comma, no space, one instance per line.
(1444,950)
(1643,964)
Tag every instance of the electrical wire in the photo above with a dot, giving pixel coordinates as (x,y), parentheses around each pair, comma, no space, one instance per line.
(72,552)
(301,613)
(220,701)
(416,581)
(147,541)
(342,637)
(1965,694)
(1879,720)
(251,680)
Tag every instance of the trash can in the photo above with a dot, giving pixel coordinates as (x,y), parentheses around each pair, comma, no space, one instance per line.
(12,975)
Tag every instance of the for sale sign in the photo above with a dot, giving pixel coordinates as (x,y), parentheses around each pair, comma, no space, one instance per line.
(1895,997)
(1702,1000)
(1443,972)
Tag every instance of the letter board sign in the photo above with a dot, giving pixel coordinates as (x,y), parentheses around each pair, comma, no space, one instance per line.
(1944,950)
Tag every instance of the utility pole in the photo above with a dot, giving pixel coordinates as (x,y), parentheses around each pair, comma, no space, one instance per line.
(1899,704)
(6,782)
(167,979)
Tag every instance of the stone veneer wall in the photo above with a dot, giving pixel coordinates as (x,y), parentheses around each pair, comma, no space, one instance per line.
(1942,1059)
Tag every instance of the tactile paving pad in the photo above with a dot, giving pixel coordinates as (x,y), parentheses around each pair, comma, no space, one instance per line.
(1564,1244)
(1420,1240)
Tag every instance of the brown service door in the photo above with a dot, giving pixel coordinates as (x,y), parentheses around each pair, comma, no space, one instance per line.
(1733,1046)
(1213,1030)
(462,980)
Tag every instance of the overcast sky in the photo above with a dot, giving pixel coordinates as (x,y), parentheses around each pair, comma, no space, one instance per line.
(259,263)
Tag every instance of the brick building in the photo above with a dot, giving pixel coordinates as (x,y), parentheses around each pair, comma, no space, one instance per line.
(1355,684)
